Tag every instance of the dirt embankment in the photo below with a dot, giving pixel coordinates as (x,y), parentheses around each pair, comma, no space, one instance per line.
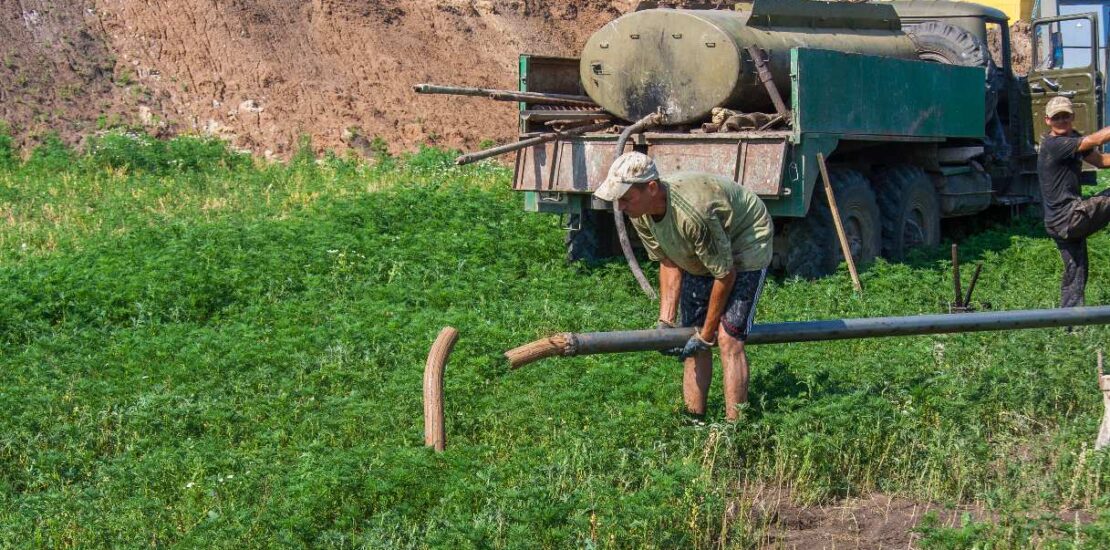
(264,72)
(57,71)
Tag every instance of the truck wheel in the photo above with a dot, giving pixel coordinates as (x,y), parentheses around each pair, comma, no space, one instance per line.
(593,240)
(909,208)
(813,249)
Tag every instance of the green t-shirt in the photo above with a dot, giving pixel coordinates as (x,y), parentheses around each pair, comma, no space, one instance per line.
(711,225)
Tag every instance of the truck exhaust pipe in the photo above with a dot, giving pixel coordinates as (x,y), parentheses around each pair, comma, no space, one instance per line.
(591,343)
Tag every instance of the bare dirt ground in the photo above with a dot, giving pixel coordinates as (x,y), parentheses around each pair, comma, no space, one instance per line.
(57,71)
(264,72)
(873,522)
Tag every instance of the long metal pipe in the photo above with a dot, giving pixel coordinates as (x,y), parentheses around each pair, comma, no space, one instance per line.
(525,143)
(841,329)
(536,98)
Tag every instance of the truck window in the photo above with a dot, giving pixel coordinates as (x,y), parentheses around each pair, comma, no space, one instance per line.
(1063,44)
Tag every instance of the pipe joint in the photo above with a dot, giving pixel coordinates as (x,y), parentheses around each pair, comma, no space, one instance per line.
(570,348)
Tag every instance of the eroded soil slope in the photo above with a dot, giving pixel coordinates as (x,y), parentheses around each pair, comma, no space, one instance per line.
(57,70)
(263,72)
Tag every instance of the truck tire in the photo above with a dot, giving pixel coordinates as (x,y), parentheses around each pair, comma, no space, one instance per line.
(592,241)
(909,209)
(943,43)
(813,249)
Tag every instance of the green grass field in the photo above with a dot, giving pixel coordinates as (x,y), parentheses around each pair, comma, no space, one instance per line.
(198,349)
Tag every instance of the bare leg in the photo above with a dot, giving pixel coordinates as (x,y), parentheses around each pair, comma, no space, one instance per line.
(696,375)
(734,363)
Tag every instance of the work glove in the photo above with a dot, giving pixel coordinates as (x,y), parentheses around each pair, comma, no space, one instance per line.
(694,345)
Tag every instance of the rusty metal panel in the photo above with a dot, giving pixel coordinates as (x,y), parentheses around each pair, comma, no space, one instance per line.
(583,165)
(532,167)
(579,165)
(760,166)
(571,166)
(714,158)
(755,163)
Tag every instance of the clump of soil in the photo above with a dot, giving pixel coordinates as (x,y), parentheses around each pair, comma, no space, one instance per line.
(1021,44)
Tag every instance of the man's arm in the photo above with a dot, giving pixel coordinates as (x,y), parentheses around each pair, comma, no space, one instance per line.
(670,286)
(1098,160)
(1094,141)
(718,298)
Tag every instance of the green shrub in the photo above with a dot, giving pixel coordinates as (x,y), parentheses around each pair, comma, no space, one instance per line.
(304,156)
(9,157)
(51,155)
(195,153)
(430,160)
(141,152)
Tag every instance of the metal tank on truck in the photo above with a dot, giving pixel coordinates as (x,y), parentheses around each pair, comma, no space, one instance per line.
(915,120)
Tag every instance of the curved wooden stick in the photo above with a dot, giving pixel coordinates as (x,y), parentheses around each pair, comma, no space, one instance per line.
(434,433)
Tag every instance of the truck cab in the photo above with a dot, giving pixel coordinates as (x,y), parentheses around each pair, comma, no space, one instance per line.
(1069,60)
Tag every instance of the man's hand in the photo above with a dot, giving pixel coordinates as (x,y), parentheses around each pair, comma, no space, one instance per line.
(694,346)
(669,352)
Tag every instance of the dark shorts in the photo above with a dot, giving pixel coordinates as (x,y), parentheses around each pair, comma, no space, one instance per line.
(740,309)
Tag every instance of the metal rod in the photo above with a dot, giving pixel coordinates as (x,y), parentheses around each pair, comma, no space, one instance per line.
(768,80)
(843,329)
(541,99)
(563,116)
(956,276)
(507,95)
(508,148)
(847,250)
(974,279)
(568,124)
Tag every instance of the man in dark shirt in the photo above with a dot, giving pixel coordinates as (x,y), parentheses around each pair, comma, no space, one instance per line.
(1069,219)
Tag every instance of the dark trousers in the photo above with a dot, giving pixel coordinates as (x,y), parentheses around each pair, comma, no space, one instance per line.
(1074,282)
(1088,216)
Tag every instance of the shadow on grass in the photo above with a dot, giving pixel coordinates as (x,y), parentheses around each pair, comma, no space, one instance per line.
(990,231)
(781,387)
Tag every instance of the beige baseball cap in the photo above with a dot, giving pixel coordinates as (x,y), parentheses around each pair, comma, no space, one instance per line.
(628,169)
(1057,105)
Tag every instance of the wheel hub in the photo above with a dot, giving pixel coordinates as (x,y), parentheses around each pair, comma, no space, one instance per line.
(853,230)
(913,232)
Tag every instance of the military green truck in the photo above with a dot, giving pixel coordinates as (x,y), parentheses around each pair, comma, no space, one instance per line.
(916,121)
